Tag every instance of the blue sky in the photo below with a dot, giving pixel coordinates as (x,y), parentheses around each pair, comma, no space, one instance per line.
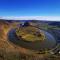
(29,7)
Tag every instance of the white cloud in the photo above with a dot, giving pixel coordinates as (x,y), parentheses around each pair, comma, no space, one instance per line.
(47,18)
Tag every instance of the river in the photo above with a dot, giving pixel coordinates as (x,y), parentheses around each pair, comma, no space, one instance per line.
(49,42)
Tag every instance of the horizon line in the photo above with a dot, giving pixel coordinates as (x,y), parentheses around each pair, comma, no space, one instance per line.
(47,18)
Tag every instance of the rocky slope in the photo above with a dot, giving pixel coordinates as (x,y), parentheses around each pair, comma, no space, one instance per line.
(10,51)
